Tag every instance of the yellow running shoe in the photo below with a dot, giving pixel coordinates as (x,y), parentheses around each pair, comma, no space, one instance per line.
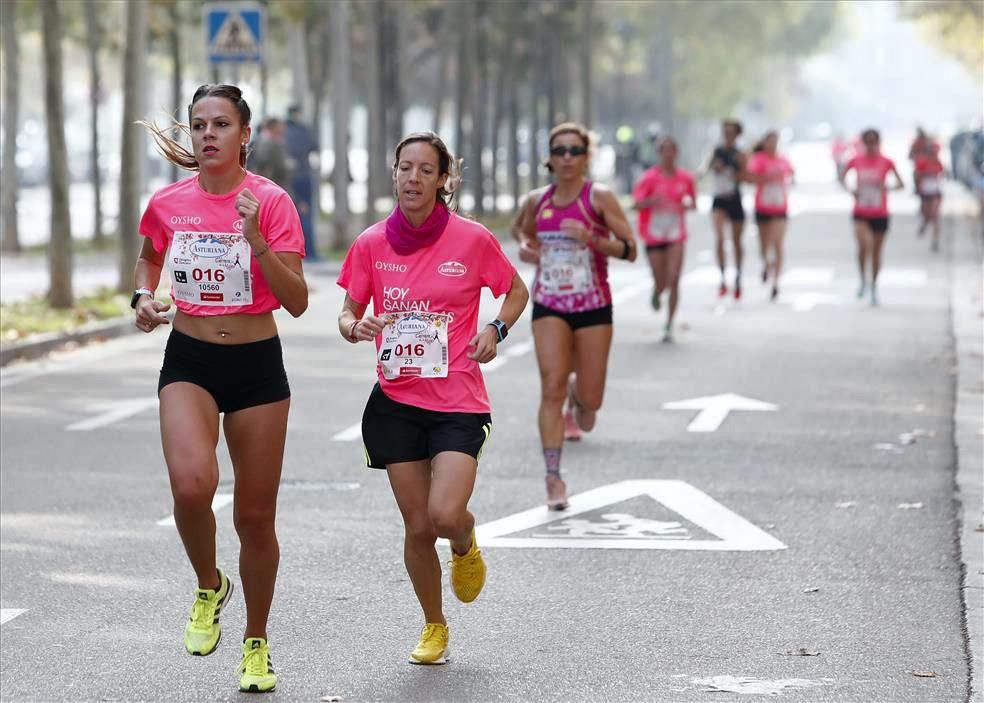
(468,572)
(256,667)
(202,633)
(433,645)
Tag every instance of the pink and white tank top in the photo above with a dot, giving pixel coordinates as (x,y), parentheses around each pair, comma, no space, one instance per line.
(571,276)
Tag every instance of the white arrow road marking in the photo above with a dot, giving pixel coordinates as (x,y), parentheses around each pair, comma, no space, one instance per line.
(116,411)
(219,501)
(715,408)
(902,278)
(349,434)
(8,614)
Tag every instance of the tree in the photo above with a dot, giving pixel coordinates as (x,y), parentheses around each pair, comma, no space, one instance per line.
(341,108)
(11,124)
(60,244)
(374,100)
(93,39)
(586,62)
(130,152)
(174,43)
(956,26)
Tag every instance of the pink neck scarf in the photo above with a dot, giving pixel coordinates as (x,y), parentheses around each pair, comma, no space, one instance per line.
(406,239)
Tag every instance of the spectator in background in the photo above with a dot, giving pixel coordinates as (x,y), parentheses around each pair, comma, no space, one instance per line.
(300,145)
(268,157)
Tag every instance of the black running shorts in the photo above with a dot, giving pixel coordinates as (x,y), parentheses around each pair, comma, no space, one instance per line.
(878,225)
(238,376)
(575,320)
(394,432)
(731,205)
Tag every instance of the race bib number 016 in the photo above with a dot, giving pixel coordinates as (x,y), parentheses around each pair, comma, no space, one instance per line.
(211,268)
(414,344)
(565,265)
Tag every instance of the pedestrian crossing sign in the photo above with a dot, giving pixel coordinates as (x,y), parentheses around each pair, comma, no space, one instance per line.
(234,31)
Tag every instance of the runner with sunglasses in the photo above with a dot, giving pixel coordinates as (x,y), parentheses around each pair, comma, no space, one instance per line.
(566,228)
(870,205)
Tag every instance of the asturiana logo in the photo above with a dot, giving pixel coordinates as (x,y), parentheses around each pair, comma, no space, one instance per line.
(209,248)
(452,268)
(411,324)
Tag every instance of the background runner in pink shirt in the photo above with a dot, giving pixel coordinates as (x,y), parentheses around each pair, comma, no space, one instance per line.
(427,420)
(772,173)
(929,185)
(870,213)
(663,195)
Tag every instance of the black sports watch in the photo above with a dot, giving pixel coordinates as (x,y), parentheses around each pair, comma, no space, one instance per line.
(500,328)
(137,295)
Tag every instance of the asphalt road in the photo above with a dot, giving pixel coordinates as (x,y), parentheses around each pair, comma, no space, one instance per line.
(809,551)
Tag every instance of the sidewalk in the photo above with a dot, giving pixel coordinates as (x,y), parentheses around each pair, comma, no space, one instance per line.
(967,318)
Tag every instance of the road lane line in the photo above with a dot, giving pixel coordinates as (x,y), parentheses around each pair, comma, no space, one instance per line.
(119,410)
(8,614)
(218,502)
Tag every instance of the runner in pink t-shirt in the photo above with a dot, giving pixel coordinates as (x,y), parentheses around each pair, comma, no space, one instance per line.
(566,229)
(662,196)
(233,244)
(870,211)
(772,173)
(929,185)
(427,419)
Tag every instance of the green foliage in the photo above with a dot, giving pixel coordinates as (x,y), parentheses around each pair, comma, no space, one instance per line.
(34,316)
(956,26)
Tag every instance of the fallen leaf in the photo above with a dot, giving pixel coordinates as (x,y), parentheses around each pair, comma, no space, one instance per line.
(801,652)
(811,590)
(924,674)
(909,506)
(330,699)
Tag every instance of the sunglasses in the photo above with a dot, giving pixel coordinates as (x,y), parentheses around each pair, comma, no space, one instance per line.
(564,150)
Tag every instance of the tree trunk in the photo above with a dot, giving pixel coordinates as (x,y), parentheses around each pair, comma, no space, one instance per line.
(513,135)
(318,61)
(60,244)
(341,100)
(174,42)
(377,151)
(130,152)
(10,241)
(504,67)
(587,43)
(479,108)
(396,57)
(465,17)
(297,59)
(93,35)
(534,124)
(443,53)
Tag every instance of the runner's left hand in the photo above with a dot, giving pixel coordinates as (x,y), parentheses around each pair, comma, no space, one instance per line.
(248,208)
(484,344)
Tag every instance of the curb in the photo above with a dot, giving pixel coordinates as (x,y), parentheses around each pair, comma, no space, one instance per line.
(40,345)
(967,320)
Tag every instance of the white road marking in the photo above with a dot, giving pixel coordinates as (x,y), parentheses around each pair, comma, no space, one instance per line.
(116,411)
(902,278)
(219,501)
(623,531)
(8,614)
(804,302)
(749,685)
(349,434)
(715,408)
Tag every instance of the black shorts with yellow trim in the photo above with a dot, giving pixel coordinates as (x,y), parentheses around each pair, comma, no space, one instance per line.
(394,432)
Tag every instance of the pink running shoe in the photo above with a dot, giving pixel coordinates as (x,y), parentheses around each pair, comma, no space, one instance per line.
(556,493)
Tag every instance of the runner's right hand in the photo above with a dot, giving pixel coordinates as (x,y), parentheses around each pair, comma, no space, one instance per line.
(368,328)
(529,252)
(150,314)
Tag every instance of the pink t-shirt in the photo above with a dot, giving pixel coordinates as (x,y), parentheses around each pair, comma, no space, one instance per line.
(446,277)
(771,197)
(213,271)
(666,221)
(871,195)
(929,172)
(571,276)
